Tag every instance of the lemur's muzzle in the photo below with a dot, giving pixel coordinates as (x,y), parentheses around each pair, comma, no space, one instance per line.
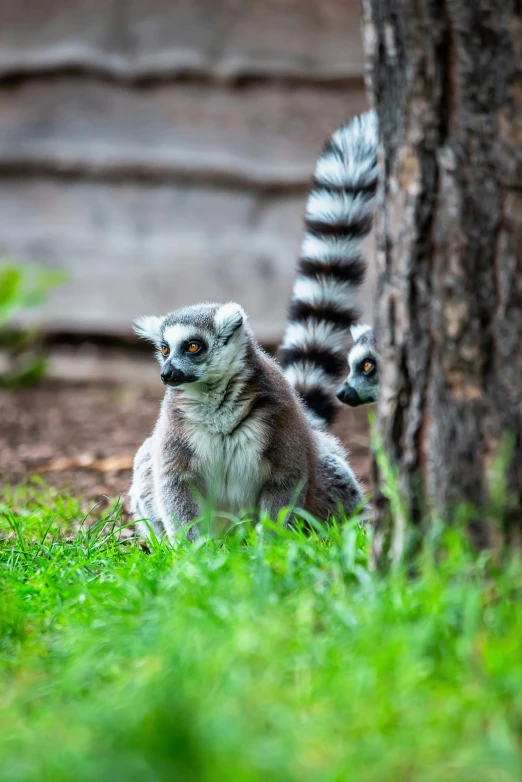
(349,396)
(172,376)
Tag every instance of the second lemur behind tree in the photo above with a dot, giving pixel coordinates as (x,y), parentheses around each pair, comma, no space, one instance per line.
(324,306)
(361,387)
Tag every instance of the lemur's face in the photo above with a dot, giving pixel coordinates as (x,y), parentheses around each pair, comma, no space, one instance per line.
(198,345)
(361,387)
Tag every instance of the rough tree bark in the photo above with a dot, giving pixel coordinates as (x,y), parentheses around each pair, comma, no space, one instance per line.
(446,79)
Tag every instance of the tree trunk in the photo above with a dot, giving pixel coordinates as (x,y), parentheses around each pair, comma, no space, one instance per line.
(446,79)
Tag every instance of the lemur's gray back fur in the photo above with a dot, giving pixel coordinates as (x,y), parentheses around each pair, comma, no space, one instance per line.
(331,267)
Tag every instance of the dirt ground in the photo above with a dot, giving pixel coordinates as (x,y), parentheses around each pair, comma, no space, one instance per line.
(83,436)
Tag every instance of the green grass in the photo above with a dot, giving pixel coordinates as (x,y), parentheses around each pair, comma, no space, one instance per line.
(266,656)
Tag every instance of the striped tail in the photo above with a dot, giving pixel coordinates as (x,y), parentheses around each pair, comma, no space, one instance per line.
(331,268)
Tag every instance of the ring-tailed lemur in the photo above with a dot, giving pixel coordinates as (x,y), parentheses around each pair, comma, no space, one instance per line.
(230,428)
(330,271)
(231,425)
(331,215)
(361,387)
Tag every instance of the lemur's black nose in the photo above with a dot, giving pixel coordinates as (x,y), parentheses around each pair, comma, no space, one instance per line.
(172,376)
(348,396)
(166,373)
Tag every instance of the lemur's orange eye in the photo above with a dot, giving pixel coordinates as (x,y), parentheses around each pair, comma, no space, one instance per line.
(368,366)
(165,350)
(193,347)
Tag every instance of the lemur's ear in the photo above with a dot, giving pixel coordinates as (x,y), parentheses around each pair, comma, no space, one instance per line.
(148,327)
(358,330)
(229,318)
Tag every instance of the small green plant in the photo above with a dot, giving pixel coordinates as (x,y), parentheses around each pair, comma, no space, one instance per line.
(22,287)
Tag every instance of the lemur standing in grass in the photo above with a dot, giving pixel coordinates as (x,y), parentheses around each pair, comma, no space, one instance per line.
(235,426)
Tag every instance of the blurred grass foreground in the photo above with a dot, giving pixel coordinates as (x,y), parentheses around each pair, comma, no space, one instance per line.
(268,655)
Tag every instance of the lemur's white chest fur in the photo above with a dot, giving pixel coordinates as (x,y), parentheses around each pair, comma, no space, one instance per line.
(227,445)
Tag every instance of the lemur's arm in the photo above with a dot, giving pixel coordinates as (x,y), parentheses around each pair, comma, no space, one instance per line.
(177,505)
(283,492)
